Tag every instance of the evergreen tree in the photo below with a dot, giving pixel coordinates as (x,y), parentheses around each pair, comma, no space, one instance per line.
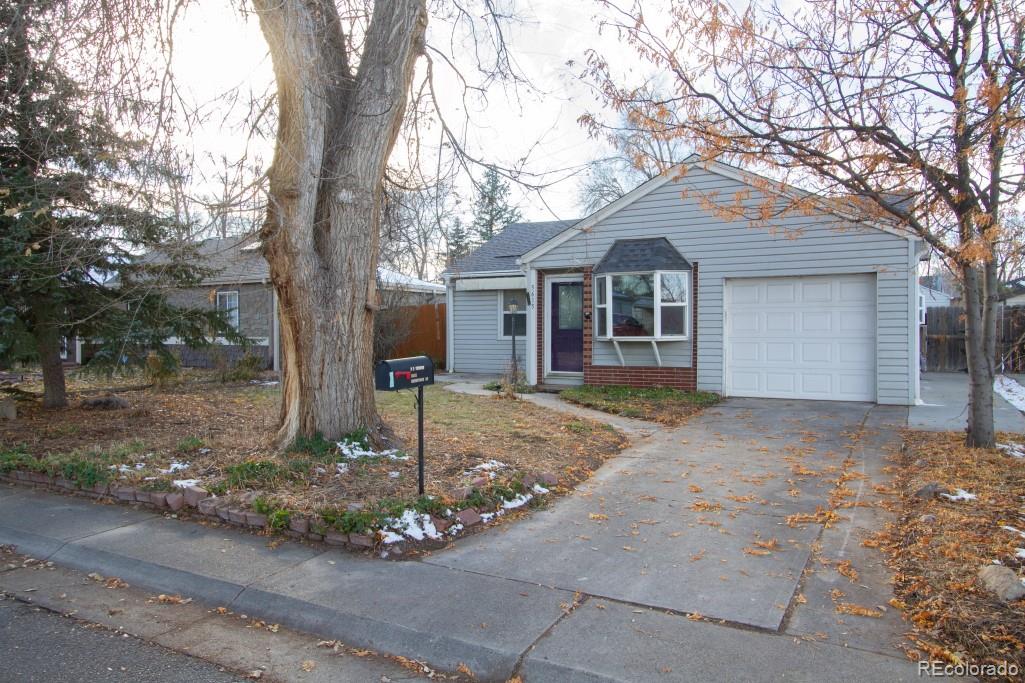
(491,209)
(74,213)
(458,241)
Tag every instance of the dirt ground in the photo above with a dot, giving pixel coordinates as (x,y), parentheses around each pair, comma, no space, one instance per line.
(940,542)
(222,431)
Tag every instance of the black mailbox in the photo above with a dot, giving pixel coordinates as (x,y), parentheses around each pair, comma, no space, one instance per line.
(403,373)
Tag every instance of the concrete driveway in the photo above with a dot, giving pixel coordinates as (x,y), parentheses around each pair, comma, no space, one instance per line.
(944,406)
(694,520)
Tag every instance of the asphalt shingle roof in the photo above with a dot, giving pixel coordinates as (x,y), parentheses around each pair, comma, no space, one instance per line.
(501,251)
(238,259)
(631,256)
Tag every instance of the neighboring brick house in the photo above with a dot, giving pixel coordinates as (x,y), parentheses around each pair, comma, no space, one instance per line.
(240,285)
(659,288)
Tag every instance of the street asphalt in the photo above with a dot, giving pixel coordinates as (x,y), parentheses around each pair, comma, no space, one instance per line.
(651,570)
(36,645)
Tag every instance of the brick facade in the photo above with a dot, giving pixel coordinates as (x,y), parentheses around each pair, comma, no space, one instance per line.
(630,375)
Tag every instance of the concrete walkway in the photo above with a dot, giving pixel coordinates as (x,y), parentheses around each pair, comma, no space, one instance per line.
(596,588)
(944,406)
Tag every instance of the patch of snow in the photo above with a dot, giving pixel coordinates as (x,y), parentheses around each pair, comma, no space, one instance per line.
(204,451)
(540,490)
(518,501)
(393,475)
(488,516)
(454,529)
(390,537)
(264,383)
(1012,392)
(1013,530)
(415,525)
(959,495)
(487,466)
(124,469)
(340,468)
(175,467)
(1019,553)
(185,483)
(1015,450)
(354,451)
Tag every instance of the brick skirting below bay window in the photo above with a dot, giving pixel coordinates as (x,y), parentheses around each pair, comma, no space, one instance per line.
(630,375)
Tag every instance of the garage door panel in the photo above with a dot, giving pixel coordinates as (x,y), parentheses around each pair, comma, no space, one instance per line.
(802,337)
(780,321)
(816,321)
(745,351)
(816,352)
(780,382)
(776,352)
(820,384)
(816,292)
(744,322)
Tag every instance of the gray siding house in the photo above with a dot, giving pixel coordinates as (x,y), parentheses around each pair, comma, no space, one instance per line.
(240,284)
(660,289)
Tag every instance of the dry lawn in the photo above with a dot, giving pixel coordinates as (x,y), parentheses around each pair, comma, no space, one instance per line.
(222,432)
(937,561)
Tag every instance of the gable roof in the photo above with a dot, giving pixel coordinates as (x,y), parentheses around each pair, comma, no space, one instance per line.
(237,260)
(499,254)
(675,173)
(636,255)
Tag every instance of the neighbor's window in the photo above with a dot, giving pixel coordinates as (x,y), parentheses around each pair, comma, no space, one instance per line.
(645,305)
(228,302)
(514,322)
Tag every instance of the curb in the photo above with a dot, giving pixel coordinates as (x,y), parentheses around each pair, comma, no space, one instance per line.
(441,651)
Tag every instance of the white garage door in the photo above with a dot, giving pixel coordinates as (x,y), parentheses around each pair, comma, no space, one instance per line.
(802,337)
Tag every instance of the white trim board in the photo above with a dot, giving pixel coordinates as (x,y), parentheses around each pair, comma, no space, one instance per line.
(546,323)
(484,284)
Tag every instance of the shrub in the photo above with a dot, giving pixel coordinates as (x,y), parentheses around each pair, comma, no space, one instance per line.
(246,368)
(161,369)
(279,519)
(17,458)
(189,444)
(317,446)
(252,473)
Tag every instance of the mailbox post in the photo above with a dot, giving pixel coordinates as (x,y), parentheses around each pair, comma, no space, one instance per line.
(408,373)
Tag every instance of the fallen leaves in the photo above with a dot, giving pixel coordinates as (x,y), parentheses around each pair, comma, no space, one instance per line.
(598,517)
(694,488)
(845,569)
(857,610)
(308,665)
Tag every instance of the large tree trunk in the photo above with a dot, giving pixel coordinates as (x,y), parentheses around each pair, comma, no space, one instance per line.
(980,347)
(48,346)
(335,132)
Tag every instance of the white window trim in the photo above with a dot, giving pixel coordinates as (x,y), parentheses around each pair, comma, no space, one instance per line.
(217,304)
(657,295)
(502,313)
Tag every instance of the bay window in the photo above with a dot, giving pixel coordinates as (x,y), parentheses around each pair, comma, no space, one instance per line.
(646,305)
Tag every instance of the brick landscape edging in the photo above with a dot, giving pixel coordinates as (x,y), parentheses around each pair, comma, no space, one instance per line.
(198,500)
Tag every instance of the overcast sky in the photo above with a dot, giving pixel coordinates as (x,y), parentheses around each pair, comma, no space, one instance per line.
(216,50)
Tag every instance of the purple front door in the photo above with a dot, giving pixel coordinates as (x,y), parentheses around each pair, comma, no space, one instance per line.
(566,331)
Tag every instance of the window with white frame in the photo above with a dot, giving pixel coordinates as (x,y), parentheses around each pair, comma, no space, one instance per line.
(228,303)
(511,320)
(652,305)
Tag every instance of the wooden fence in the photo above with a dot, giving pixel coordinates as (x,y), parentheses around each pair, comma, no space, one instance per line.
(945,339)
(426,333)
